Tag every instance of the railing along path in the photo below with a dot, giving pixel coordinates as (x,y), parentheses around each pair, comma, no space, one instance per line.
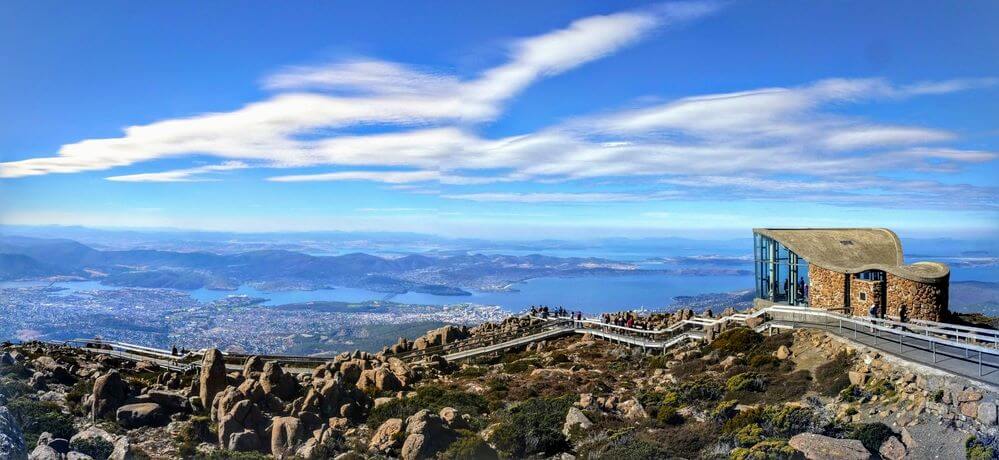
(968,351)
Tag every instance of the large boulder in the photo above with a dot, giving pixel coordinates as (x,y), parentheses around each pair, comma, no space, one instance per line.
(91,433)
(142,414)
(386,437)
(633,410)
(818,447)
(243,416)
(110,392)
(426,435)
(252,366)
(171,402)
(278,383)
(380,379)
(44,452)
(212,379)
(11,438)
(987,413)
(244,441)
(893,449)
(287,435)
(575,419)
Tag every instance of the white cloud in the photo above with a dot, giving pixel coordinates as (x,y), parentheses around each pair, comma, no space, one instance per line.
(426,132)
(391,177)
(880,136)
(378,92)
(181,175)
(582,197)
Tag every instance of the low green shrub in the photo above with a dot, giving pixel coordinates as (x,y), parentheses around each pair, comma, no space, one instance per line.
(770,449)
(668,415)
(519,367)
(11,389)
(469,446)
(431,398)
(94,447)
(223,454)
(975,449)
(746,381)
(473,371)
(534,428)
(832,377)
(658,362)
(749,435)
(871,434)
(738,340)
(777,421)
(37,417)
(693,392)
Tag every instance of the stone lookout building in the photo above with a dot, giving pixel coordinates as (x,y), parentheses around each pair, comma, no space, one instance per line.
(855,270)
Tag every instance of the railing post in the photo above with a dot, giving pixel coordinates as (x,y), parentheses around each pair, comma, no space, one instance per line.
(979,363)
(933,347)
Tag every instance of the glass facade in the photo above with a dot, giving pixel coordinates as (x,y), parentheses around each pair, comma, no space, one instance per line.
(781,276)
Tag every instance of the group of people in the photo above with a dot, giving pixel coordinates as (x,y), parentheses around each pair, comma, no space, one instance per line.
(636,321)
(801,288)
(544,312)
(175,352)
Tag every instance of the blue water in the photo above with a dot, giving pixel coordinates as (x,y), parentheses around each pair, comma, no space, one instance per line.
(593,294)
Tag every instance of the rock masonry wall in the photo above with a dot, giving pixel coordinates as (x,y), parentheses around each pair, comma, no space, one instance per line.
(828,291)
(919,300)
(826,288)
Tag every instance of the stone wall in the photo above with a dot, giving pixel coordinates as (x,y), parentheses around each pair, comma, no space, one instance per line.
(920,300)
(826,288)
(871,291)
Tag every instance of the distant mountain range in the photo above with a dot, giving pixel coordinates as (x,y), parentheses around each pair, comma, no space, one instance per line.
(441,273)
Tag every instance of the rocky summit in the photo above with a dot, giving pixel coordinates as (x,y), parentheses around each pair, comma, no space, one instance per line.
(741,395)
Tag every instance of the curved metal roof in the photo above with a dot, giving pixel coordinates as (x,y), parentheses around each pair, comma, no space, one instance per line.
(853,250)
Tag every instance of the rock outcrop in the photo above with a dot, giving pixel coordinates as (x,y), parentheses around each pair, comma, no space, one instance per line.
(110,393)
(818,447)
(141,414)
(11,439)
(212,379)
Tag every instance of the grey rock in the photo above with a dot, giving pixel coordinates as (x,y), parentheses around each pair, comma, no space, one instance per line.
(892,449)
(141,414)
(575,418)
(110,392)
(818,447)
(11,438)
(987,413)
(386,436)
(43,452)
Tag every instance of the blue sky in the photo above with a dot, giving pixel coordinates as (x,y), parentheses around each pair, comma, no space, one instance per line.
(501,119)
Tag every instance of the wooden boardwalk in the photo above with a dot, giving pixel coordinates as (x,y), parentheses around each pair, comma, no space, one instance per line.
(965,351)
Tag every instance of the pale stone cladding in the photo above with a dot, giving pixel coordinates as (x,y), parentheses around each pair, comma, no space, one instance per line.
(826,288)
(927,301)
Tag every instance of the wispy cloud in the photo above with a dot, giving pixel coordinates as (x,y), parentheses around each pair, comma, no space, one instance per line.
(580,197)
(355,93)
(199,174)
(427,131)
